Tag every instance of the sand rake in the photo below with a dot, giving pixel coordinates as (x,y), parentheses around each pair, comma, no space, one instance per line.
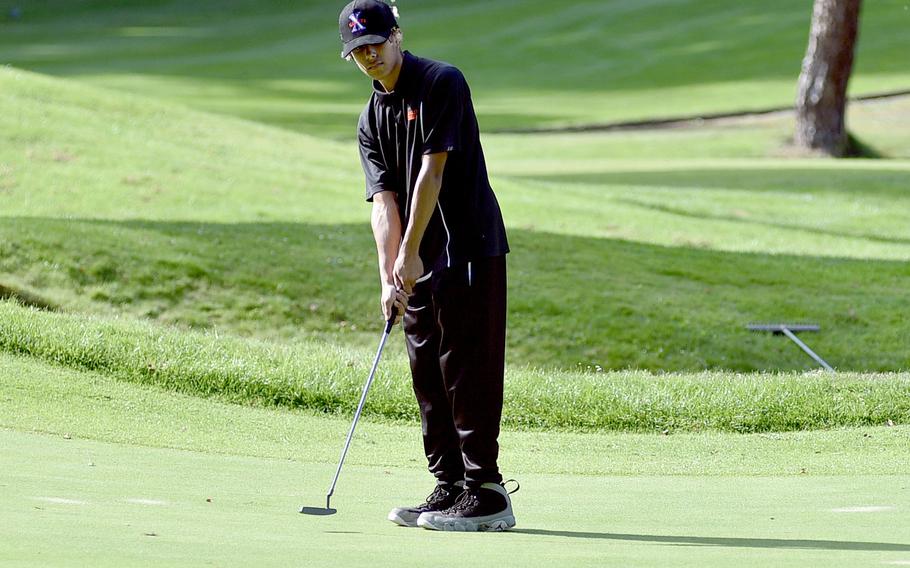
(790,330)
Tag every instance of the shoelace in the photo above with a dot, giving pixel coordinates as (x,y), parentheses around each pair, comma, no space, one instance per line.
(438,494)
(465,501)
(469,498)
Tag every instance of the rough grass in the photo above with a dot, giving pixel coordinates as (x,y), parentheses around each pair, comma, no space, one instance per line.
(39,396)
(646,306)
(329,379)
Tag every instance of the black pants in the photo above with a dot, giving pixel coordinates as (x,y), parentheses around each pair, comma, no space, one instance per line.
(455,327)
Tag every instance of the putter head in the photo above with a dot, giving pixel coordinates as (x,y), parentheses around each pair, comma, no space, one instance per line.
(318,511)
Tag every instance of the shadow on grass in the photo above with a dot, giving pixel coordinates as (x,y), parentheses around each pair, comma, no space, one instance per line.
(25,298)
(858,148)
(727,542)
(644,46)
(890,184)
(573,301)
(760,222)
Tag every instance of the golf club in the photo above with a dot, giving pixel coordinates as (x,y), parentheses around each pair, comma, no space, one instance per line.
(363,397)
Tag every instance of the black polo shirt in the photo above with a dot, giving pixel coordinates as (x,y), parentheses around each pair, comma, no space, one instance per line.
(430,111)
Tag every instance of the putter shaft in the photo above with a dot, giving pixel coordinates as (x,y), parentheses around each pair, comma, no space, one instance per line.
(363,399)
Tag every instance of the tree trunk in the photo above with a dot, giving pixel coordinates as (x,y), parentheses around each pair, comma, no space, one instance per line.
(822,100)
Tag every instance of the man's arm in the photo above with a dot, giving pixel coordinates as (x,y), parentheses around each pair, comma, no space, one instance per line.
(387,233)
(408,266)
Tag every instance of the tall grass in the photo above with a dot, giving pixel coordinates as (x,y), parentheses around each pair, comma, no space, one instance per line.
(329,379)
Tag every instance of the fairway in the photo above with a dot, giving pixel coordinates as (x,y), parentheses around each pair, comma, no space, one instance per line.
(154,478)
(532,64)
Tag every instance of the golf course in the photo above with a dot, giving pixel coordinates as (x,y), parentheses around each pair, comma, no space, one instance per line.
(189,297)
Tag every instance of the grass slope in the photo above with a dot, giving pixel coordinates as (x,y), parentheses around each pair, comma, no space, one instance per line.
(106,484)
(530,64)
(647,263)
(326,379)
(43,398)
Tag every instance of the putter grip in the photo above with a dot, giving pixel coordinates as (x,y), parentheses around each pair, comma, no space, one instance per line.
(391,321)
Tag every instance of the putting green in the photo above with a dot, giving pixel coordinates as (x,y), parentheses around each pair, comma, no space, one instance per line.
(85,502)
(88,479)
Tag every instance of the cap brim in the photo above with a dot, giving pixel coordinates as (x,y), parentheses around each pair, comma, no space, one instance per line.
(362,40)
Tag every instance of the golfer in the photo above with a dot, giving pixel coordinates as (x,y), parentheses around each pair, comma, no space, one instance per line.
(441,244)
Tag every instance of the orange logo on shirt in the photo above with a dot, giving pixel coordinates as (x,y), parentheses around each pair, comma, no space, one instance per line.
(412,114)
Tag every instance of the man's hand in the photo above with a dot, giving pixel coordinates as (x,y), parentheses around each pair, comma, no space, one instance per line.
(393,296)
(408,268)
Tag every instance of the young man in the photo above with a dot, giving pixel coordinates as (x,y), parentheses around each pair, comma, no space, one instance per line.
(442,245)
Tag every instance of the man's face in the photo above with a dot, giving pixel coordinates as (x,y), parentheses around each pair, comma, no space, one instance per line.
(378,61)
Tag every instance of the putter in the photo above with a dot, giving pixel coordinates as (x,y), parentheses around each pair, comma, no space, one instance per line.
(363,398)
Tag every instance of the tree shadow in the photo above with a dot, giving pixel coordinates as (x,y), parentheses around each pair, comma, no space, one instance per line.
(630,304)
(638,46)
(881,183)
(858,148)
(761,222)
(728,542)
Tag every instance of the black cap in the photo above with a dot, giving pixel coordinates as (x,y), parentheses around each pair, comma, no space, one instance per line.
(365,22)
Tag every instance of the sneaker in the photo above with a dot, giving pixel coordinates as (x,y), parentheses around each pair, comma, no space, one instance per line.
(443,497)
(487,508)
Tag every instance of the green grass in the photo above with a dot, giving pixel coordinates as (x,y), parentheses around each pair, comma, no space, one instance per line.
(644,262)
(112,473)
(328,379)
(647,306)
(210,290)
(537,63)
(121,505)
(39,397)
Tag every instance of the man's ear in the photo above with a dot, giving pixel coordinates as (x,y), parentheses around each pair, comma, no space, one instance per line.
(396,38)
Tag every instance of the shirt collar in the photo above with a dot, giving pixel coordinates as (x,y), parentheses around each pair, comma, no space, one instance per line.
(406,78)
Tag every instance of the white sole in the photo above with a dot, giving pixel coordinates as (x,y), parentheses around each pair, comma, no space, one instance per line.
(401,518)
(492,523)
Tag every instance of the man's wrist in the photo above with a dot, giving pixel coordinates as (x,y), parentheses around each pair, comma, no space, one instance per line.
(409,247)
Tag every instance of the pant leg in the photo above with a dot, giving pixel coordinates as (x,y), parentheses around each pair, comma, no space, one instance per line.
(471,306)
(440,439)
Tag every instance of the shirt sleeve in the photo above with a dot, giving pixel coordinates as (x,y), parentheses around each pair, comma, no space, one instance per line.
(443,111)
(378,177)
